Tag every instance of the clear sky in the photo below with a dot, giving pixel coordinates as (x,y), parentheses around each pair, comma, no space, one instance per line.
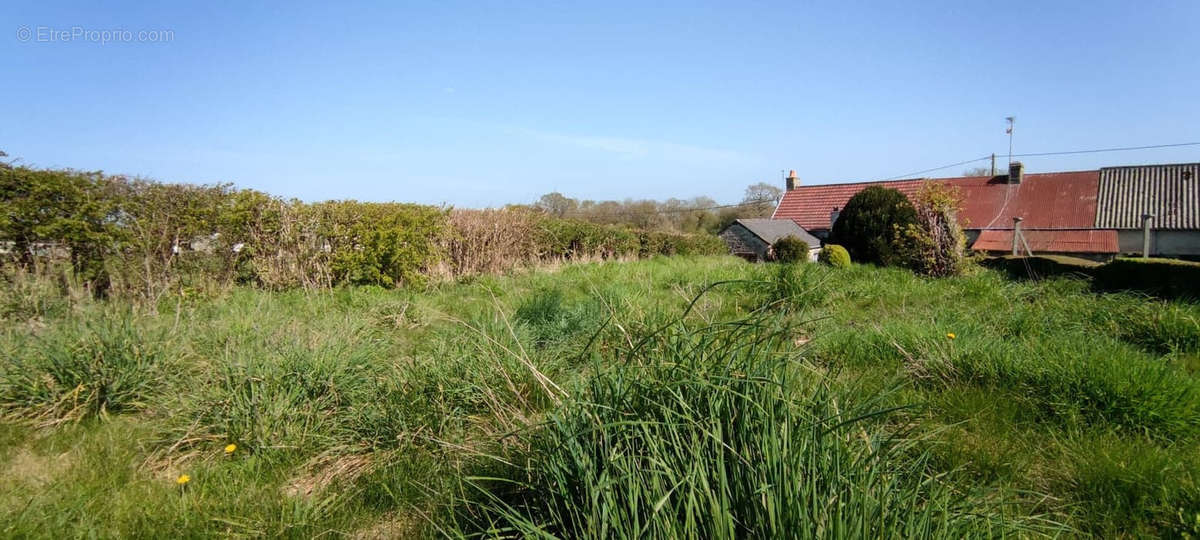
(485,103)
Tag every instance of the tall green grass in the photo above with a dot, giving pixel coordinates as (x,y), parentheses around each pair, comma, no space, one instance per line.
(85,368)
(723,431)
(794,400)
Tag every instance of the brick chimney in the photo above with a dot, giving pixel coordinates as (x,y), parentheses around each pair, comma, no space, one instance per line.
(792,180)
(1016,172)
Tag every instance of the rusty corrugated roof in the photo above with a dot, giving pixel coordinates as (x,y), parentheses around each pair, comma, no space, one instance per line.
(1170,192)
(1065,200)
(1051,240)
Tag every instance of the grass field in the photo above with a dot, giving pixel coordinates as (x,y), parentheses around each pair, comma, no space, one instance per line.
(666,398)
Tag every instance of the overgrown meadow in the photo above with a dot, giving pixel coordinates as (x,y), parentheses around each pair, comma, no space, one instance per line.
(664,398)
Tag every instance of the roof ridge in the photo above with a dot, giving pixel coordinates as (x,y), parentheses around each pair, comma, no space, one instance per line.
(1184,164)
(928,179)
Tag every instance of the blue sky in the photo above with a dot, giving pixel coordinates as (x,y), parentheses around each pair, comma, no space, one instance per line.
(485,103)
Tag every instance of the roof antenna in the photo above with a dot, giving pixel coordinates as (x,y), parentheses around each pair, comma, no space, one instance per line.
(1012,123)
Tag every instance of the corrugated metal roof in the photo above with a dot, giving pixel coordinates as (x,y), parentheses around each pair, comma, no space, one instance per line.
(771,230)
(1051,241)
(1065,200)
(1170,192)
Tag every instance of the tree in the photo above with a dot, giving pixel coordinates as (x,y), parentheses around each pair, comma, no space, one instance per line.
(760,200)
(978,171)
(557,204)
(867,226)
(65,209)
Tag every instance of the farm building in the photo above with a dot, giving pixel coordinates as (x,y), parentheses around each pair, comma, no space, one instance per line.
(752,239)
(1097,214)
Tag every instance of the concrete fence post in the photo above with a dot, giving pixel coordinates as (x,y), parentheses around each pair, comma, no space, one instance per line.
(1147,219)
(1016,234)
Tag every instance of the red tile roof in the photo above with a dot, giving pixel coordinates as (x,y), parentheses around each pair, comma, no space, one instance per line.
(1065,200)
(1051,241)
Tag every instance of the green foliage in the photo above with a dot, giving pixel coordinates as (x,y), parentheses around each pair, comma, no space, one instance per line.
(1165,278)
(790,249)
(935,244)
(867,226)
(151,240)
(551,318)
(45,210)
(575,239)
(834,255)
(710,433)
(367,410)
(103,366)
(1162,277)
(387,244)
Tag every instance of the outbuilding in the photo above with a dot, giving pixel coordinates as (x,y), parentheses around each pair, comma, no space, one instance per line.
(752,239)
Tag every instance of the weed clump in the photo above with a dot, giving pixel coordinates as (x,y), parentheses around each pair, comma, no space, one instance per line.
(104,365)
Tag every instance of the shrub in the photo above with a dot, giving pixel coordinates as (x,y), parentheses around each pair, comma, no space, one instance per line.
(835,256)
(790,249)
(387,244)
(867,225)
(482,241)
(935,244)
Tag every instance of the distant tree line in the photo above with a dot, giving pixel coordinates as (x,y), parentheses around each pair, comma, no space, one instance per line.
(694,215)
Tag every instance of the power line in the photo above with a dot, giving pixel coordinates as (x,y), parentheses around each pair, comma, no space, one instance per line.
(1037,154)
(1107,149)
(936,168)
(897,177)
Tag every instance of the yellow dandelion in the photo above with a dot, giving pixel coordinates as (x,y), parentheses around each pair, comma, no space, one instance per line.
(951,335)
(229,449)
(183,479)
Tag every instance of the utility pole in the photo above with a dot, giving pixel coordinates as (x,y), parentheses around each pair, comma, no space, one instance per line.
(993,164)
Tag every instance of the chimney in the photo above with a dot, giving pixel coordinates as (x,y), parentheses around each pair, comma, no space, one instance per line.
(833,216)
(791,180)
(1016,172)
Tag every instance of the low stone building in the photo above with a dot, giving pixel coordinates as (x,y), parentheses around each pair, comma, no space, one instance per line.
(752,239)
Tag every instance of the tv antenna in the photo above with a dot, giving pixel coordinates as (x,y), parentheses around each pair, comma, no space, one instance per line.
(1012,123)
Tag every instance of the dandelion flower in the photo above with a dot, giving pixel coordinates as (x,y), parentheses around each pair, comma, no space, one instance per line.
(951,335)
(183,479)
(229,449)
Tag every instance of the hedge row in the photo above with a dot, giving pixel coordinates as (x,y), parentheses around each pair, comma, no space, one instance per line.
(1167,278)
(1161,277)
(149,238)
